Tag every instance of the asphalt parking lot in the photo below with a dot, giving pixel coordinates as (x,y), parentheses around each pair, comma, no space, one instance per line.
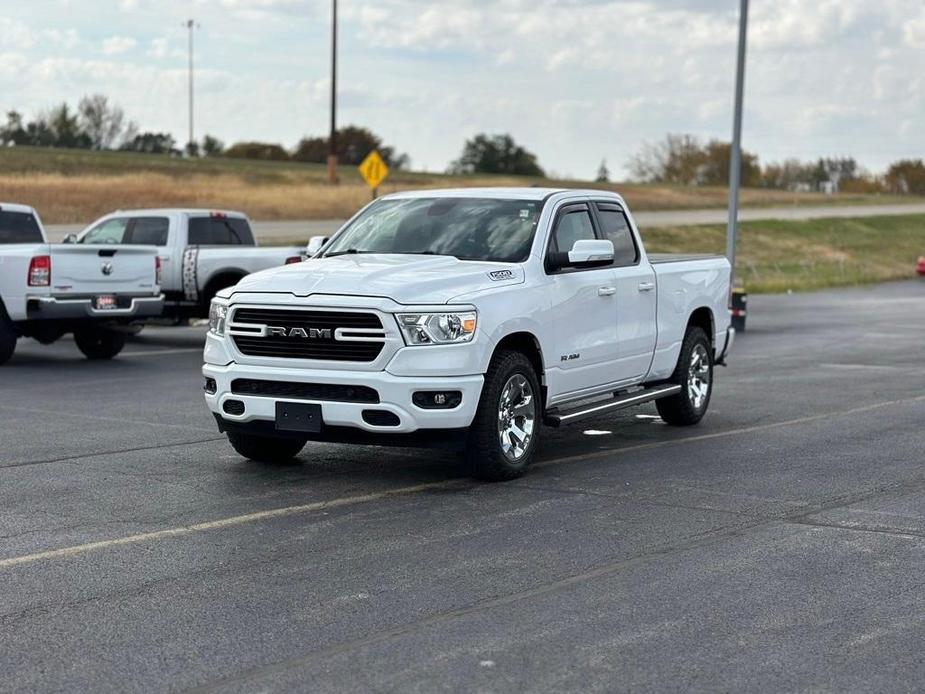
(780,545)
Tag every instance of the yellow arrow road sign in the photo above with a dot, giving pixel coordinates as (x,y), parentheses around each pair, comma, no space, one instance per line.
(373,169)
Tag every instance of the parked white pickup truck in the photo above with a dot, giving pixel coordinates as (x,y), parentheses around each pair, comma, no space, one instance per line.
(201,251)
(47,290)
(466,317)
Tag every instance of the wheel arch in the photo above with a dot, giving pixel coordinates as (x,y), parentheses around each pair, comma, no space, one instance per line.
(527,344)
(703,318)
(220,279)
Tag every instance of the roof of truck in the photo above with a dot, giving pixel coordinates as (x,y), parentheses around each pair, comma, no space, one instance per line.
(523,193)
(178,210)
(14,207)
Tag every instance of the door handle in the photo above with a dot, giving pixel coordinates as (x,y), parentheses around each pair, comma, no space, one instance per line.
(606,291)
(646,286)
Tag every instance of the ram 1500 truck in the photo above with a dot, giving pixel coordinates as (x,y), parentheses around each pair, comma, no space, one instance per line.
(201,251)
(48,290)
(470,318)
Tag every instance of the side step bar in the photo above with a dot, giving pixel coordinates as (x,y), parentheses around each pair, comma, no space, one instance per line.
(556,418)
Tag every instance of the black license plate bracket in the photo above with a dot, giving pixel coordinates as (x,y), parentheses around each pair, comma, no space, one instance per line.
(298,416)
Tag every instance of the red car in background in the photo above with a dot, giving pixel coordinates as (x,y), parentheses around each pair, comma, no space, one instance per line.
(920,268)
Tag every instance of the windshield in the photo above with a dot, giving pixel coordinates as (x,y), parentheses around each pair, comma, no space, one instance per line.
(467,228)
(19,227)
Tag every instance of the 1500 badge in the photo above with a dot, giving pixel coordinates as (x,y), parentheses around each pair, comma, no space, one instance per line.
(499,275)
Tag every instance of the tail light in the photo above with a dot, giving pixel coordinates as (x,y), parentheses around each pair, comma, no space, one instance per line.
(157,269)
(293,259)
(40,271)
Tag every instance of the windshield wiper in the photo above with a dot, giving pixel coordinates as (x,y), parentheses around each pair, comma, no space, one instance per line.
(349,251)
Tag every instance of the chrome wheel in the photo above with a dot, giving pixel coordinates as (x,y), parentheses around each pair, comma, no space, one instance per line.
(516,417)
(699,377)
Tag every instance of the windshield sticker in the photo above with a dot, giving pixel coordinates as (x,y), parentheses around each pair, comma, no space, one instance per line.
(499,275)
(525,214)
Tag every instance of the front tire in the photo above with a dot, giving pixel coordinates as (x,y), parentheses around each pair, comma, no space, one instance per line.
(8,338)
(265,449)
(99,343)
(504,434)
(694,373)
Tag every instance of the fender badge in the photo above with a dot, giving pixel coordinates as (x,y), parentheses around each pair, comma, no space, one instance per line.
(499,275)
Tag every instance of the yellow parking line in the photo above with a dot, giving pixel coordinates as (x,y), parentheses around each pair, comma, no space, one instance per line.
(403,491)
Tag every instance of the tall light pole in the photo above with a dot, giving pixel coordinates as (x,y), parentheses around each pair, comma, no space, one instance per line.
(191,25)
(332,143)
(735,157)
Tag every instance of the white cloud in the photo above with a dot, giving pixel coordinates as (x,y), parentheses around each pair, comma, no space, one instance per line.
(116,45)
(575,80)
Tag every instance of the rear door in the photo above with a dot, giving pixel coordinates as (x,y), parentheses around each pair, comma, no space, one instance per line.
(636,298)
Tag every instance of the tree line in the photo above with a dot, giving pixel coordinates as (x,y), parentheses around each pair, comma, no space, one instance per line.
(687,160)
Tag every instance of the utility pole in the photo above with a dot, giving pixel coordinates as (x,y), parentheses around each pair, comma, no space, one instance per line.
(332,143)
(190,25)
(735,157)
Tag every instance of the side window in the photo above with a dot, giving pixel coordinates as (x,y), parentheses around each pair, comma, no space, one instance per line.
(149,231)
(220,231)
(571,227)
(110,231)
(616,228)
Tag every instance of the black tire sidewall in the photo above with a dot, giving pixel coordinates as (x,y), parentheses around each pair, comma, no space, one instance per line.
(99,343)
(486,456)
(8,338)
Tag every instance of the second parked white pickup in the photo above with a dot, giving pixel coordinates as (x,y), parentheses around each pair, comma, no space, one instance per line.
(201,251)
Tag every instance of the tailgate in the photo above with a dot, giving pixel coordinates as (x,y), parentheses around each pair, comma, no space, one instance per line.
(79,269)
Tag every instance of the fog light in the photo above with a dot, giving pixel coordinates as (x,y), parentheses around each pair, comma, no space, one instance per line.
(210,386)
(437,399)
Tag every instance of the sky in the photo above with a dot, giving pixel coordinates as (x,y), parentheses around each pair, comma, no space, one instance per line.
(574,81)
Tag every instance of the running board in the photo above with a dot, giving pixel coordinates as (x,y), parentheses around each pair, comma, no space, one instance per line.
(558,419)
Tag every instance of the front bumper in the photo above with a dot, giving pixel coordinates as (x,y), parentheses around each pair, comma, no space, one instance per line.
(395,396)
(67,308)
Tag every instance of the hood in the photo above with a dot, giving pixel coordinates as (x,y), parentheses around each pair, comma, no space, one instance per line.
(406,279)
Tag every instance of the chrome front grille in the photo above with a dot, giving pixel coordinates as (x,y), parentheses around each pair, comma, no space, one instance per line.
(307,334)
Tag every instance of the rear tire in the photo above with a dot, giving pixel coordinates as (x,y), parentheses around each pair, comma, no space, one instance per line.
(99,343)
(504,434)
(694,373)
(8,338)
(265,449)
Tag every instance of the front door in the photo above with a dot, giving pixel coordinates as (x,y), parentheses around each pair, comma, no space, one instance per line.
(583,328)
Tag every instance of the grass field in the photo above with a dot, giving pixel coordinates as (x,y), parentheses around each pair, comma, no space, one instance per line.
(780,256)
(776,256)
(76,186)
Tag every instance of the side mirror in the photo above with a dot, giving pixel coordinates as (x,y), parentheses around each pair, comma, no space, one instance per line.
(585,253)
(70,238)
(315,244)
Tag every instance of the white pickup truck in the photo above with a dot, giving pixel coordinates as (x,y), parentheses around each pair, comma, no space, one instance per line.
(201,251)
(469,318)
(48,290)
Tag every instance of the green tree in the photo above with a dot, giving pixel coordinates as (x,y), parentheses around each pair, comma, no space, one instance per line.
(65,127)
(906,176)
(495,154)
(603,173)
(212,146)
(353,144)
(150,143)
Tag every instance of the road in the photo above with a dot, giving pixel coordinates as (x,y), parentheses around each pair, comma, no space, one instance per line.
(301,231)
(780,545)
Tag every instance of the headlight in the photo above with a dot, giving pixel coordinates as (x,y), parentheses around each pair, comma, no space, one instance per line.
(217,314)
(437,328)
